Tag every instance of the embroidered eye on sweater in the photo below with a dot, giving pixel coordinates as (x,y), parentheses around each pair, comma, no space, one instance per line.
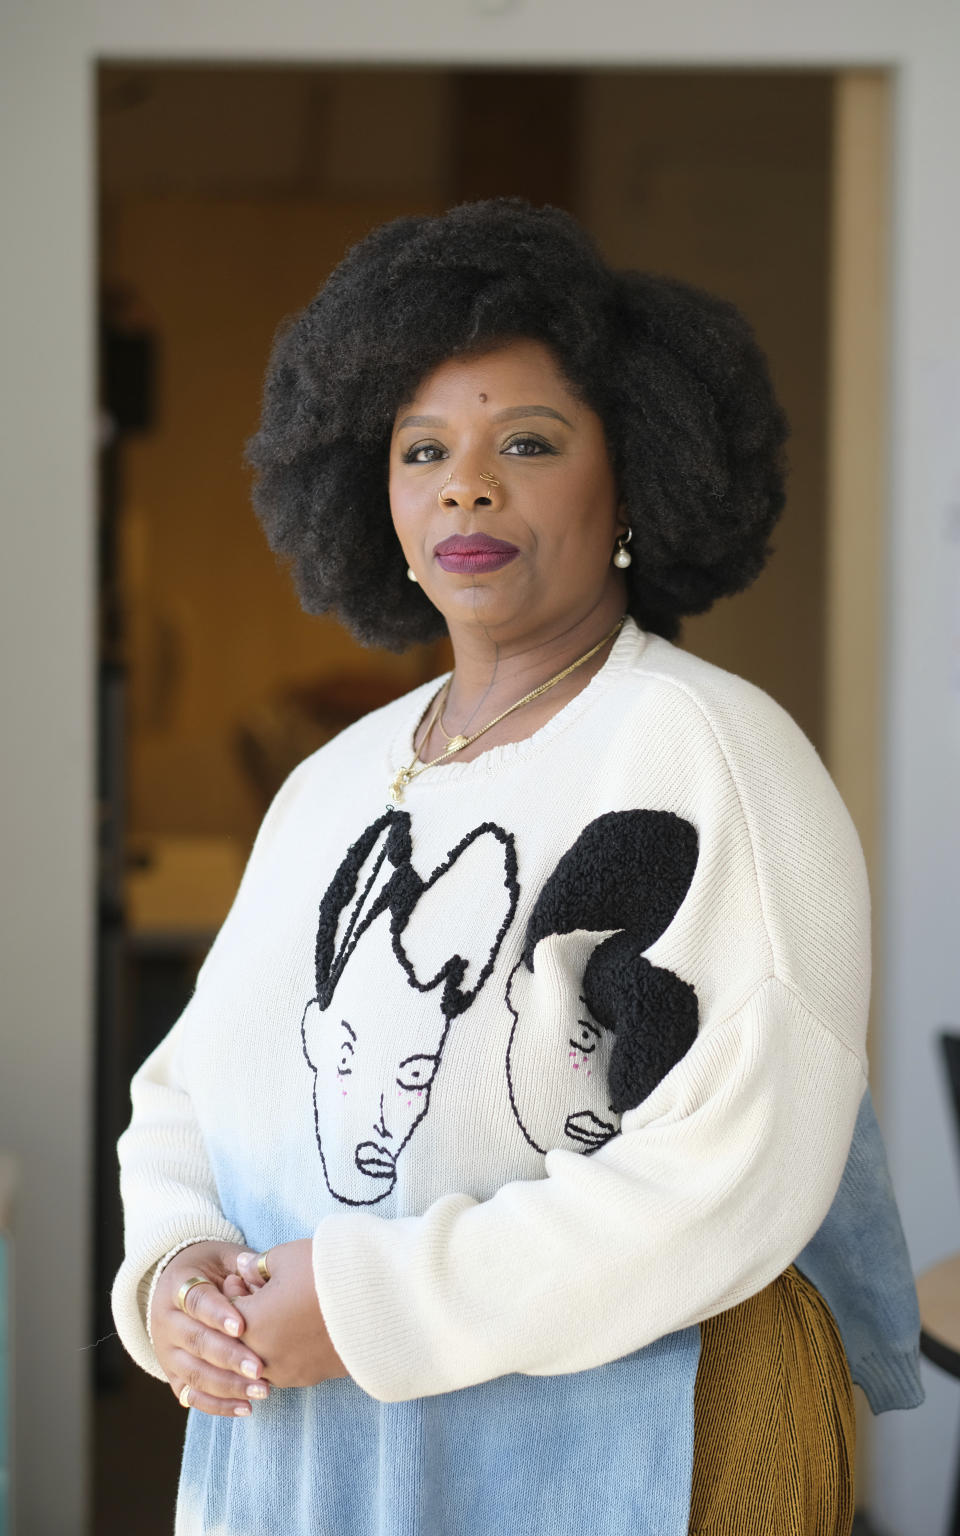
(346,1052)
(417,1072)
(586,1043)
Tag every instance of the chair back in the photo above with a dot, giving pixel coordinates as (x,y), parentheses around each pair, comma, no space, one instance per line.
(950,1046)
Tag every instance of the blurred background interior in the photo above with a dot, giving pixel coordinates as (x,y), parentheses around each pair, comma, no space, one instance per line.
(225,195)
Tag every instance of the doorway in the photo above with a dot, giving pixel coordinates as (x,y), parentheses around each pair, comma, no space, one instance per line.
(227,195)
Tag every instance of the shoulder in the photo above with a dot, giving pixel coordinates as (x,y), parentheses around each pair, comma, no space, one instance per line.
(732,719)
(719,697)
(746,763)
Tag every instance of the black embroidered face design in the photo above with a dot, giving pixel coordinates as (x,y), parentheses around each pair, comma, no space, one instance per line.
(583,991)
(375,1050)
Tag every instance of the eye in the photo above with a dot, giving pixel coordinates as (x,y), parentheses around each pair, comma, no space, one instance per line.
(538,444)
(346,1056)
(412,455)
(586,1037)
(417,1072)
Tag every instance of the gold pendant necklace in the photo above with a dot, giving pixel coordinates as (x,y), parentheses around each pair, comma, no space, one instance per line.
(457,743)
(454,743)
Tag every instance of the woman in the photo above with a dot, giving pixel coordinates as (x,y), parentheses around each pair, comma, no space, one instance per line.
(513,1166)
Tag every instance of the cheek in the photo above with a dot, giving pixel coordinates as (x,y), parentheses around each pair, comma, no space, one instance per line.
(580,1063)
(406,508)
(411,1099)
(578,527)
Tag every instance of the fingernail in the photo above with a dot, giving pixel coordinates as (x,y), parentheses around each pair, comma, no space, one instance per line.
(231,1326)
(245,1258)
(249,1368)
(243,1410)
(257,1390)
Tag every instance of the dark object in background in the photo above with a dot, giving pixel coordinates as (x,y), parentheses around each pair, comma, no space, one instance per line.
(127,374)
(950,1046)
(127,379)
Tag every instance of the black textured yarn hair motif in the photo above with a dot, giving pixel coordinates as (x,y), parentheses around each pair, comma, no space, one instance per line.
(399,894)
(630,871)
(693,427)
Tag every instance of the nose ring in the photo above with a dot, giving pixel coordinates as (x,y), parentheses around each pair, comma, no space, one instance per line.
(484,475)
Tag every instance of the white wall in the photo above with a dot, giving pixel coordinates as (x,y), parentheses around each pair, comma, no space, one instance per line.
(46,718)
(46,511)
(921,962)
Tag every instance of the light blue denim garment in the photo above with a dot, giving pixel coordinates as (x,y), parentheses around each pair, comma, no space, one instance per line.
(859,1263)
(605,1450)
(602,1451)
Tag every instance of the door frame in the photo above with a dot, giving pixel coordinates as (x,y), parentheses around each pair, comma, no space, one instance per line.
(47,491)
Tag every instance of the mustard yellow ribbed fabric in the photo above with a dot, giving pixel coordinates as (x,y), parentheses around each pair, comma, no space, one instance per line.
(774,1423)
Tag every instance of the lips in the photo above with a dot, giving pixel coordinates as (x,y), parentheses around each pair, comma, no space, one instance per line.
(473,552)
(375,1161)
(589,1129)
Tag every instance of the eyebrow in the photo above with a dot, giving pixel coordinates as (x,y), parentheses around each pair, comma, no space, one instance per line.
(510,413)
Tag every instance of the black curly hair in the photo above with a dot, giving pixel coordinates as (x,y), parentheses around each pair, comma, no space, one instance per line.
(693,428)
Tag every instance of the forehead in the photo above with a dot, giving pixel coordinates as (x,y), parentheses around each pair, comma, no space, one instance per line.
(398,1013)
(508,374)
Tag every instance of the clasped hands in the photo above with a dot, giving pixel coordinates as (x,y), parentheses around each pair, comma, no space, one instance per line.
(236,1338)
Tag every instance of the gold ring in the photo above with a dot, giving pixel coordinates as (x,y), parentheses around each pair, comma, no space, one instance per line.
(188,1285)
(185,1396)
(486,475)
(443,487)
(263,1268)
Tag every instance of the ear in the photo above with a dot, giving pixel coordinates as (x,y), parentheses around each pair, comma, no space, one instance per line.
(363,887)
(627,869)
(308,1025)
(452,935)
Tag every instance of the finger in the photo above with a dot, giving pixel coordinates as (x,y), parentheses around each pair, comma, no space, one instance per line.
(211,1381)
(201,1343)
(208,1305)
(247,1265)
(216,1349)
(190,1397)
(234,1286)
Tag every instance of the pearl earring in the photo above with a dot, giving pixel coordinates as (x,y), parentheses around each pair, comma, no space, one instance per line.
(622,556)
(411,575)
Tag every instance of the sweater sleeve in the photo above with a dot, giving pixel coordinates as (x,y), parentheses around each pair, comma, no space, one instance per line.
(167,1185)
(713,1186)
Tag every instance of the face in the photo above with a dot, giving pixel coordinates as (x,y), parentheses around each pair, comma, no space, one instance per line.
(532,553)
(558,1056)
(373,1077)
(430,940)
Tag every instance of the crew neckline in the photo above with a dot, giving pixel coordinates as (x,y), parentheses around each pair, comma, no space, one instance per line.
(624,652)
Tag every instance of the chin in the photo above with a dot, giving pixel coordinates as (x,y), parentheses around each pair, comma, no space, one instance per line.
(481,603)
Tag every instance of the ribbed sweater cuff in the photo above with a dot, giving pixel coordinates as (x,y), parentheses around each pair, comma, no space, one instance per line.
(890,1380)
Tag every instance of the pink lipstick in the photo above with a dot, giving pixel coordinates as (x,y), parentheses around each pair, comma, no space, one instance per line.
(470,553)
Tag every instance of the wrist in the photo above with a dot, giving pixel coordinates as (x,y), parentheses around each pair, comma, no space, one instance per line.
(162,1264)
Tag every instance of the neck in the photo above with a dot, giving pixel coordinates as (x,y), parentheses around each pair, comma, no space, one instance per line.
(490,674)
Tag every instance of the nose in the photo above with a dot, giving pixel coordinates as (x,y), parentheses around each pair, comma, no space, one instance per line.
(380,1125)
(467,488)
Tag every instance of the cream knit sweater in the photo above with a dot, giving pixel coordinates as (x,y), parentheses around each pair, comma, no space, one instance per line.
(560,1055)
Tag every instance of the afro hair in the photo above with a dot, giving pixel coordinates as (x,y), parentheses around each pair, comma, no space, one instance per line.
(693,428)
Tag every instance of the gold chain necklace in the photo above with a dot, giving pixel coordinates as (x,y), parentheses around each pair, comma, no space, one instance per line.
(457,743)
